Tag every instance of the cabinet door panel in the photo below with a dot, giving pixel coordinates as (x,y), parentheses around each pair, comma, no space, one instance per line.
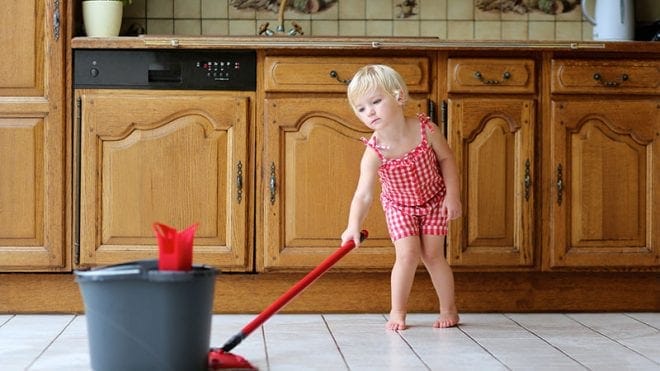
(312,155)
(33,208)
(24,37)
(169,157)
(493,142)
(607,213)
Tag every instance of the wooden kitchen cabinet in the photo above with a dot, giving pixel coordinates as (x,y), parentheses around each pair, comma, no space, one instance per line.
(310,163)
(32,137)
(604,169)
(492,136)
(175,157)
(516,249)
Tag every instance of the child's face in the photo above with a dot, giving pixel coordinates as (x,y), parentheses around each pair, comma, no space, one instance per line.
(377,108)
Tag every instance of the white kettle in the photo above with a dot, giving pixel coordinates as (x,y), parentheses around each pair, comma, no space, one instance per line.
(614,19)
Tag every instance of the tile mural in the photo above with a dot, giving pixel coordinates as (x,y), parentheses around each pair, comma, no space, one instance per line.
(445,19)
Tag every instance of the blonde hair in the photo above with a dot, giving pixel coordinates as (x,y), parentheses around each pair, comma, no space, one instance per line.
(376,76)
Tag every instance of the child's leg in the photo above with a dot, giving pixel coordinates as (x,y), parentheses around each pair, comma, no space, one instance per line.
(403,273)
(442,278)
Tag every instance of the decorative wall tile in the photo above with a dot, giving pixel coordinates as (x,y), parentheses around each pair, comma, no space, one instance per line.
(352,28)
(541,30)
(379,28)
(433,9)
(215,27)
(433,29)
(325,28)
(240,14)
(488,30)
(159,9)
(446,19)
(187,27)
(379,9)
(353,9)
(242,27)
(512,30)
(460,10)
(460,30)
(568,30)
(160,26)
(136,10)
(187,9)
(214,9)
(405,28)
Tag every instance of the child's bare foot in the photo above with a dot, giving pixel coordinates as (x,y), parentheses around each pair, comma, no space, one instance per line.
(446,320)
(397,321)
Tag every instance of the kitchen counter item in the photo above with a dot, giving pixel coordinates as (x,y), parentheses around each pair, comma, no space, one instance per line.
(613,20)
(140,318)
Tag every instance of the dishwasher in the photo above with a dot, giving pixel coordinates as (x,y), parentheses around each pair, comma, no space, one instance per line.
(163,136)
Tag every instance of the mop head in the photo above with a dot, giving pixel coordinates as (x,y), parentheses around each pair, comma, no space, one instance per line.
(221,360)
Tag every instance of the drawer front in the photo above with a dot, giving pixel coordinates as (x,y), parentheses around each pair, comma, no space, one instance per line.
(332,74)
(488,75)
(605,77)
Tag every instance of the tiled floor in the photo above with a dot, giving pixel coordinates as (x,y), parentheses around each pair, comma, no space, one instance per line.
(580,341)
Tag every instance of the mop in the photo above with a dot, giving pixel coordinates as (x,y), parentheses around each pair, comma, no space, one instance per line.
(221,358)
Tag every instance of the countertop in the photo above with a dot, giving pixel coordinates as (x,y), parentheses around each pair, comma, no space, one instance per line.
(349,43)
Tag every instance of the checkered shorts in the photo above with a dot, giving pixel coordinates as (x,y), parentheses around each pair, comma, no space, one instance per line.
(404,222)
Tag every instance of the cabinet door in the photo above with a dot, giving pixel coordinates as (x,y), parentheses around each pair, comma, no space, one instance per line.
(32,141)
(309,172)
(493,141)
(605,204)
(173,157)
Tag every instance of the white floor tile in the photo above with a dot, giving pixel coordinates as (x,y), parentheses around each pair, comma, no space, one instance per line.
(25,337)
(69,351)
(357,342)
(583,344)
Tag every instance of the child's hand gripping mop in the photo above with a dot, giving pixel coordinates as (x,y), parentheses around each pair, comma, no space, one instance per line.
(220,358)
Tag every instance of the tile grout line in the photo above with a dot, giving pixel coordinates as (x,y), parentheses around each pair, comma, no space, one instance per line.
(613,340)
(411,347)
(263,337)
(334,340)
(8,319)
(546,341)
(640,321)
(41,353)
(483,347)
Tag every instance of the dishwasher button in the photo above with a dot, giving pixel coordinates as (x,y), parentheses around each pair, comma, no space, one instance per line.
(94,72)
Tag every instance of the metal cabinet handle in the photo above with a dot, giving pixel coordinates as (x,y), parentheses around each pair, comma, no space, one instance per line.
(560,185)
(272,184)
(610,83)
(505,76)
(239,182)
(527,180)
(56,20)
(335,76)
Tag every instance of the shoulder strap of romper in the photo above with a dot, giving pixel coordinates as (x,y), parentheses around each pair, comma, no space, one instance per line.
(372,143)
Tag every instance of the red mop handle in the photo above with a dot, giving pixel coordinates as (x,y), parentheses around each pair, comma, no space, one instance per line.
(293,292)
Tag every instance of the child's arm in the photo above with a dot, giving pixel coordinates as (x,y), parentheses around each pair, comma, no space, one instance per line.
(452,204)
(363,196)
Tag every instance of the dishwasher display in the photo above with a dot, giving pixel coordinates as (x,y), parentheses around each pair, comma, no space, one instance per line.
(165,69)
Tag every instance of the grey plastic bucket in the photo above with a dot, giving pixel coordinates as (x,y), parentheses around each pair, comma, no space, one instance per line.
(140,318)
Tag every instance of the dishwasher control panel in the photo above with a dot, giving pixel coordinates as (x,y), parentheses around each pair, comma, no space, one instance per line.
(164,69)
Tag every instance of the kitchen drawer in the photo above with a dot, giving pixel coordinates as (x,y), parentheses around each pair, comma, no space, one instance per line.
(489,75)
(605,76)
(332,74)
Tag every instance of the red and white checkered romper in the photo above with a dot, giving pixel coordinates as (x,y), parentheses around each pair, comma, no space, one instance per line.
(412,189)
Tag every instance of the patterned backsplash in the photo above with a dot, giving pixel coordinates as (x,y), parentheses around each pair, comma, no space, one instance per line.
(446,19)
